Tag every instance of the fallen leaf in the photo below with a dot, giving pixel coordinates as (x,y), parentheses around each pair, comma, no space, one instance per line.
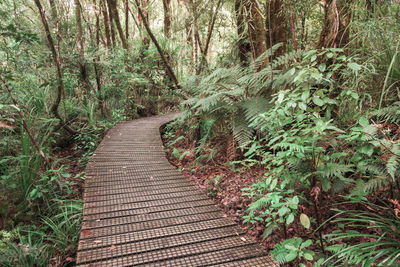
(112,247)
(243,239)
(69,259)
(97,241)
(86,233)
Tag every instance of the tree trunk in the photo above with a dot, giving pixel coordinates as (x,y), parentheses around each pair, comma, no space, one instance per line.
(115,18)
(144,18)
(243,44)
(277,30)
(106,23)
(256,30)
(81,46)
(96,60)
(167,18)
(126,9)
(57,63)
(189,41)
(211,27)
(110,19)
(336,32)
(168,68)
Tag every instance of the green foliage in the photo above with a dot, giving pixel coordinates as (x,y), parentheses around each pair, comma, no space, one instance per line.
(273,205)
(366,237)
(293,249)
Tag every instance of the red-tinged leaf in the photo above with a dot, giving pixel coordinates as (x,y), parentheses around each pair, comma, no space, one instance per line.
(112,247)
(69,259)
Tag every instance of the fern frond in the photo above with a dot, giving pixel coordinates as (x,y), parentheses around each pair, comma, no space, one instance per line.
(241,130)
(253,107)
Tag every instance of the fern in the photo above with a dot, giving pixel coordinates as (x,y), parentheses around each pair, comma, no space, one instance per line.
(390,114)
(241,131)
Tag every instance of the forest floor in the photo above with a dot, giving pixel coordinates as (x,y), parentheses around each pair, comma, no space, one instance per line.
(224,182)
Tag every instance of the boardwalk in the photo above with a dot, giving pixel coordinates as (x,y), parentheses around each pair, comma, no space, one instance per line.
(140,211)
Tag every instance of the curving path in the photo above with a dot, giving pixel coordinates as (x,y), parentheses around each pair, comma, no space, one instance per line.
(140,211)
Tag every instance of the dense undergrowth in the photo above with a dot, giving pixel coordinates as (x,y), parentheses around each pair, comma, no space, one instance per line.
(40,202)
(328,143)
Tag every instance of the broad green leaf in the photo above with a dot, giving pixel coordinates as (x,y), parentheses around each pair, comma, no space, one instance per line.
(291,256)
(65,175)
(302,106)
(290,219)
(308,256)
(284,210)
(363,121)
(305,95)
(322,67)
(318,101)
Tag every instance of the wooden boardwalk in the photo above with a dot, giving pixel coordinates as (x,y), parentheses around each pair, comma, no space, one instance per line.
(140,211)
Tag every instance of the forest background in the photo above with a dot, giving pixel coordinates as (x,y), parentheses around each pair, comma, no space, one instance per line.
(295,102)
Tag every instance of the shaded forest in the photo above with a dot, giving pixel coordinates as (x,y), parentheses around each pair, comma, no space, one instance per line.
(290,117)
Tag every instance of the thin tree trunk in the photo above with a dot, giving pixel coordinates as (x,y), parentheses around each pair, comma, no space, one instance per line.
(126,9)
(293,27)
(113,6)
(168,68)
(243,45)
(167,18)
(189,40)
(97,60)
(256,30)
(135,20)
(106,23)
(110,17)
(81,46)
(57,63)
(144,17)
(336,32)
(276,26)
(211,27)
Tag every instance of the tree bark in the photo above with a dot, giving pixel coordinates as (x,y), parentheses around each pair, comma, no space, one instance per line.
(96,60)
(81,46)
(57,63)
(167,18)
(110,19)
(115,17)
(168,68)
(336,32)
(256,31)
(277,29)
(144,18)
(106,23)
(126,9)
(211,27)
(243,44)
